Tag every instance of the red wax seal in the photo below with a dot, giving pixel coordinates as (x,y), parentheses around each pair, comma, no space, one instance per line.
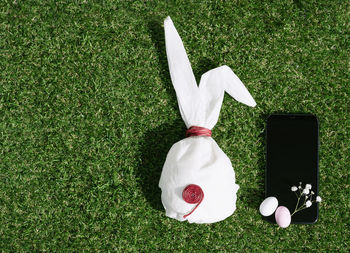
(192,194)
(198,131)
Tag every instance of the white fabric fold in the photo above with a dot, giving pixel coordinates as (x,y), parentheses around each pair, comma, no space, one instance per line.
(199,160)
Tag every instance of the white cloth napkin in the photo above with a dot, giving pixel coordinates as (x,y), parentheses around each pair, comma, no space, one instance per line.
(198,159)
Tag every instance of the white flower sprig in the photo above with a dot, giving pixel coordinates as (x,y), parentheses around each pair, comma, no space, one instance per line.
(307,194)
(294,188)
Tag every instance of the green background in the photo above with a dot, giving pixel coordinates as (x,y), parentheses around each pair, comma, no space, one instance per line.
(88,114)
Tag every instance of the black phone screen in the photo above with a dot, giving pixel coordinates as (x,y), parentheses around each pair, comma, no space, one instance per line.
(292,157)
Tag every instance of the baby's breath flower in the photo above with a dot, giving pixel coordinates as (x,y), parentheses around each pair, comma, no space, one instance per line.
(306,191)
(308,203)
(308,197)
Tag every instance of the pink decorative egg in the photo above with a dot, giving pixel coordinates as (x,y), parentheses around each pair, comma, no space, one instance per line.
(282,216)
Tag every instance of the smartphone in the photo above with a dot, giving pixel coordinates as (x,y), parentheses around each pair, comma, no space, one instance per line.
(292,147)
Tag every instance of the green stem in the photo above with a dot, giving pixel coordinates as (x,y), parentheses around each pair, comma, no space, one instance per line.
(299,209)
(302,208)
(295,210)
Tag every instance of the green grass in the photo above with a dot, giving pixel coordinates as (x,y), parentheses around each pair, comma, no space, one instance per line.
(88,114)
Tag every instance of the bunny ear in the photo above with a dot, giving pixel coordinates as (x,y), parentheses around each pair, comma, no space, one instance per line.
(180,69)
(236,88)
(222,79)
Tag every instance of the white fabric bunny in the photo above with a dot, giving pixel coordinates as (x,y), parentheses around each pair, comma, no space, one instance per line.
(198,181)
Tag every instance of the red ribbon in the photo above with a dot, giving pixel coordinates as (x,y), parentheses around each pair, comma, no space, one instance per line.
(192,194)
(198,131)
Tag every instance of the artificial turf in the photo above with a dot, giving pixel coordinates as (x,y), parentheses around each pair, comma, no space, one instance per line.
(88,114)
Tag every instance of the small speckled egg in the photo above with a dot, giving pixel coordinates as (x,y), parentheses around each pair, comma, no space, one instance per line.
(283,217)
(268,206)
